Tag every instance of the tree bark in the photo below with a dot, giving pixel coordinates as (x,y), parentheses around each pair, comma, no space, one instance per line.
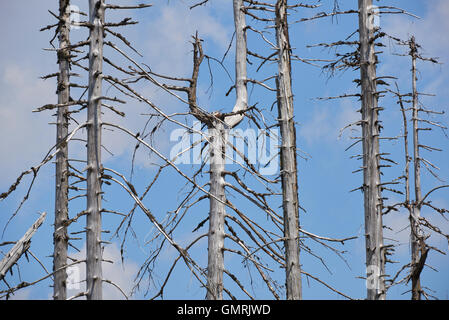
(218,140)
(416,209)
(94,167)
(215,265)
(288,156)
(241,91)
(375,257)
(60,237)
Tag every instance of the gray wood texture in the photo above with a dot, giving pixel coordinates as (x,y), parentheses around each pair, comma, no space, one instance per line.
(20,247)
(60,237)
(375,257)
(289,173)
(94,167)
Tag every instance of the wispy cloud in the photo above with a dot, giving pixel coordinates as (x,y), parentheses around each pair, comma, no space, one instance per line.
(168,45)
(121,274)
(25,136)
(325,124)
(425,29)
(429,32)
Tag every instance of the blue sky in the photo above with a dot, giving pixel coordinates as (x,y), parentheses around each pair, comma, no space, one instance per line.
(325,178)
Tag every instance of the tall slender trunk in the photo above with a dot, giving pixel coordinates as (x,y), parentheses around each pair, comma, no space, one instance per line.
(416,209)
(93,228)
(215,265)
(218,139)
(241,90)
(288,156)
(375,257)
(60,237)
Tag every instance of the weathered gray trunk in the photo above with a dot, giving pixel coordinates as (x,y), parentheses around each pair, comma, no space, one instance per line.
(241,91)
(416,209)
(93,228)
(215,265)
(375,257)
(60,237)
(218,140)
(288,156)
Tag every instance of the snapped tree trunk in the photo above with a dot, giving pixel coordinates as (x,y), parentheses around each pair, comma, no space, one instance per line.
(60,237)
(93,228)
(20,247)
(288,156)
(375,257)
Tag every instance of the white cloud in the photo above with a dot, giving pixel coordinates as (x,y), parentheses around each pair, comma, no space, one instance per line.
(398,231)
(169,37)
(24,294)
(121,274)
(431,33)
(26,136)
(318,128)
(325,124)
(429,30)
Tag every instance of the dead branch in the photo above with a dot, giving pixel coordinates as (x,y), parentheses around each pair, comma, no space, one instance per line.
(20,247)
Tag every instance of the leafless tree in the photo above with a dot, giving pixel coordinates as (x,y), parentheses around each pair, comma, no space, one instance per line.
(418,224)
(93,222)
(219,125)
(289,170)
(365,59)
(375,255)
(62,170)
(231,230)
(67,57)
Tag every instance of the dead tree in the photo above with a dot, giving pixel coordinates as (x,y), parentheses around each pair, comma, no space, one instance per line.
(418,224)
(217,149)
(60,237)
(263,240)
(216,236)
(224,225)
(364,58)
(93,222)
(289,172)
(375,256)
(294,235)
(419,252)
(67,53)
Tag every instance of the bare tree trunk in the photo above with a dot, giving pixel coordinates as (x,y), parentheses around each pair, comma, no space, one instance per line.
(288,156)
(93,228)
(416,209)
(215,265)
(218,140)
(241,91)
(60,237)
(375,258)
